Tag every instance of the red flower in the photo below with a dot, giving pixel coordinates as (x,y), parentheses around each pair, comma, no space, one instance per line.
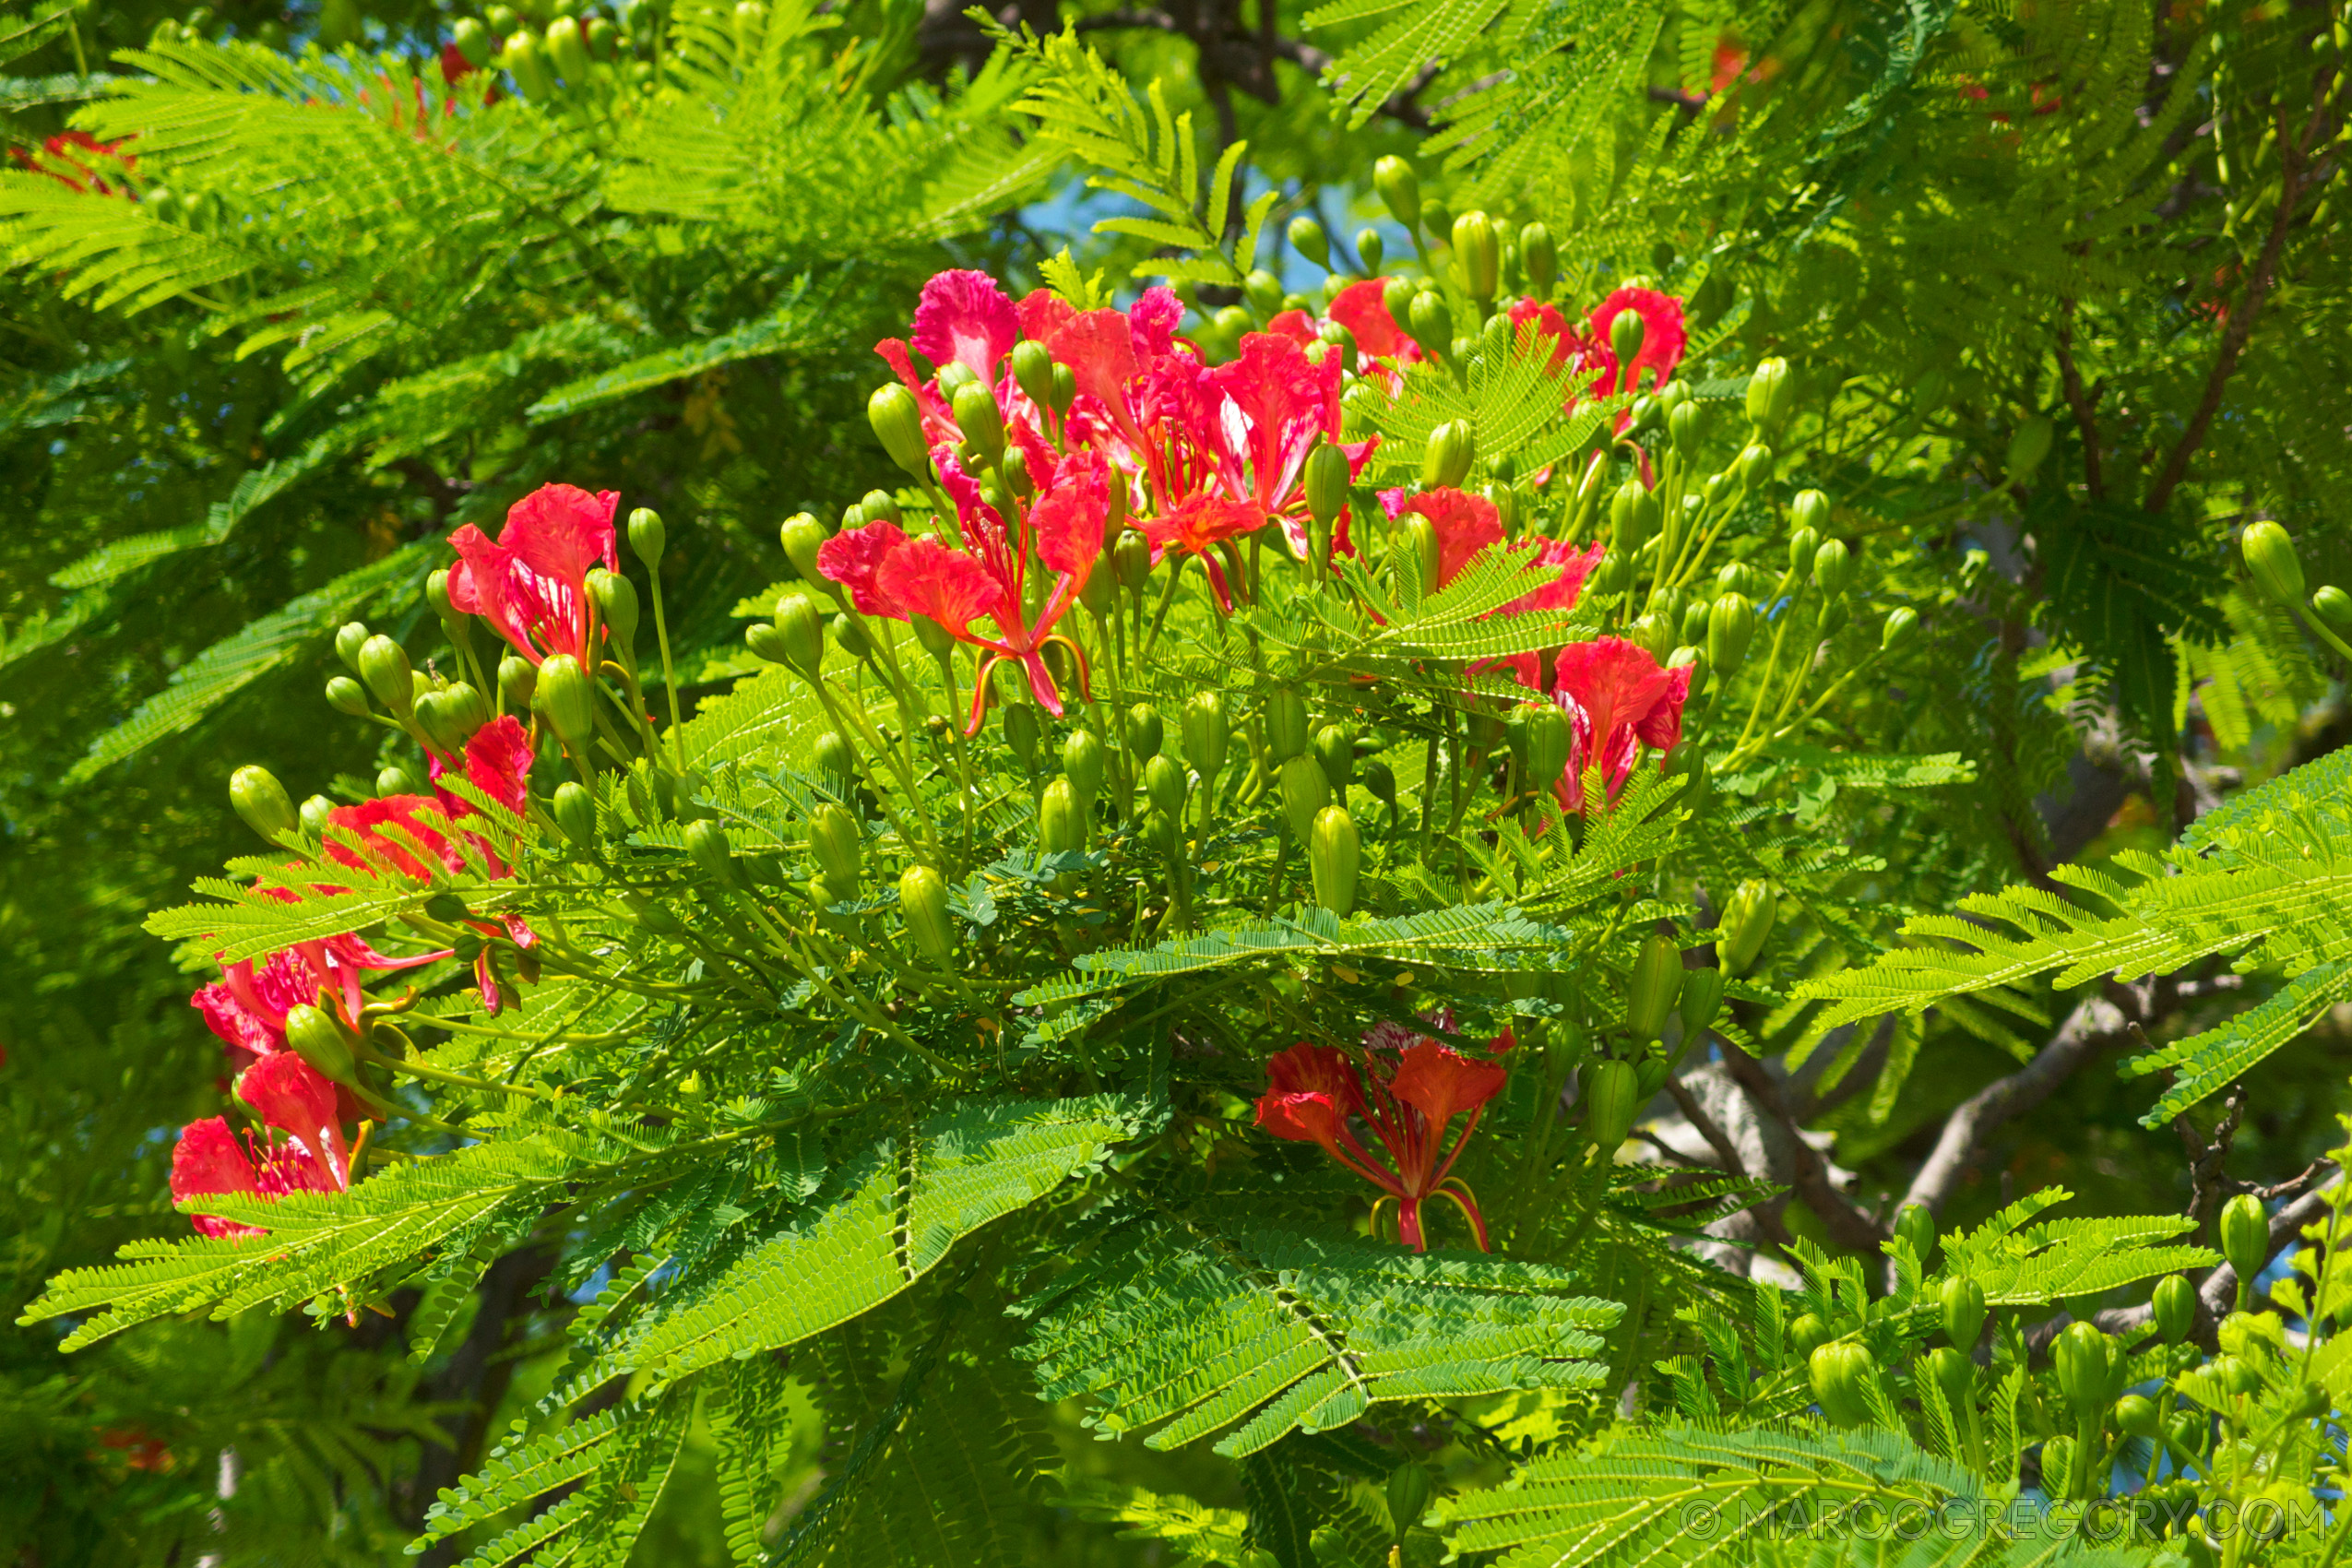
(1618,699)
(248,1006)
(1313,1091)
(1197,525)
(889,574)
(1467,524)
(531,584)
(965,317)
(290,1097)
(1276,404)
(1663,340)
(1362,309)
(86,157)
(498,763)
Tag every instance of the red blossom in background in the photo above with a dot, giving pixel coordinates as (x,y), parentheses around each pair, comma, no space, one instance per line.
(80,161)
(1467,524)
(531,583)
(1618,699)
(987,578)
(290,1097)
(1663,340)
(1407,1103)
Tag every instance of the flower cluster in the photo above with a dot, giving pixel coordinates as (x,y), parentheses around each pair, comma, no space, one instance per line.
(1405,1090)
(531,586)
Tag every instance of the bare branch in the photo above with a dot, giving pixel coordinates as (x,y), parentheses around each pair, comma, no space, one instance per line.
(2218,1294)
(1706,1126)
(1849,1225)
(2082,403)
(2094,1026)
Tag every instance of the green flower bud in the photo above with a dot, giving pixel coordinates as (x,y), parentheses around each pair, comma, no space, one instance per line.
(1340,338)
(713,855)
(802,536)
(899,425)
(1478,250)
(1326,483)
(1506,502)
(800,635)
(1397,296)
(2136,1416)
(1755,466)
(2334,605)
(393,780)
(1686,760)
(1101,587)
(575,809)
(1409,1491)
(1399,188)
(922,904)
(851,636)
(1131,556)
(1437,218)
(1370,251)
(983,424)
(1545,737)
(262,803)
(1021,733)
(2028,444)
(2270,557)
(1144,731)
(566,699)
(1804,545)
(1701,1003)
(450,716)
(837,845)
(616,604)
(526,63)
(436,594)
(1206,734)
(1842,1373)
(1263,290)
(348,639)
(1445,462)
(1611,1095)
(1065,389)
(1963,1310)
(1307,239)
(1657,981)
(1333,854)
(1033,370)
(1633,515)
(1686,425)
(2175,1302)
(935,638)
(1747,922)
(1540,257)
(1901,625)
(1693,628)
(646,538)
(1082,764)
(2080,1354)
(2245,1235)
(1304,792)
(1953,1375)
(1808,1333)
(835,759)
(1429,322)
(1335,752)
(347,696)
(1060,819)
(2236,1373)
(1771,397)
(1165,782)
(1833,567)
(567,51)
(2058,1467)
(1651,631)
(1287,734)
(473,42)
(1626,329)
(322,1042)
(1915,1224)
(1809,510)
(1380,779)
(1417,543)
(384,665)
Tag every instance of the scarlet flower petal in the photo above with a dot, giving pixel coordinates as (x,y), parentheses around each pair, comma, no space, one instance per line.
(1619,699)
(1302,1118)
(1067,519)
(498,762)
(1663,337)
(1465,524)
(1153,320)
(296,1098)
(924,577)
(1362,309)
(1099,349)
(853,556)
(1317,1069)
(1440,1083)
(1041,310)
(208,1159)
(963,317)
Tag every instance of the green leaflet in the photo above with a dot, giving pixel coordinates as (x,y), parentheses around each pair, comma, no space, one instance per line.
(792,322)
(2205,1063)
(1189,1331)
(901,1205)
(315,1243)
(2018,1262)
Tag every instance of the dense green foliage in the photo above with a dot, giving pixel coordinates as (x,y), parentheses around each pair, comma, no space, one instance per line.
(2058,286)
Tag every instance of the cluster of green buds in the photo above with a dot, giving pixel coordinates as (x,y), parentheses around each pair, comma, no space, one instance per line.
(2277,571)
(556,49)
(1628,1072)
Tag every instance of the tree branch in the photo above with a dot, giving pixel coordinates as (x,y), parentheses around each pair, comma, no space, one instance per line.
(2241,321)
(1847,1225)
(2094,1026)
(1706,1126)
(2081,403)
(2218,1294)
